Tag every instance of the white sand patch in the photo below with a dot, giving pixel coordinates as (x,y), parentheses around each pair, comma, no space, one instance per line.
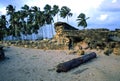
(24,64)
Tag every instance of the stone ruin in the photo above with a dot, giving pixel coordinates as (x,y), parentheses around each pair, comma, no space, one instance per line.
(100,39)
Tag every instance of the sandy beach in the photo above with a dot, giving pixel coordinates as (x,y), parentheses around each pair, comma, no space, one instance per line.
(25,64)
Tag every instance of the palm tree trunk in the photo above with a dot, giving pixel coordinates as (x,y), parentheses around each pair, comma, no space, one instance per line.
(67,19)
(15,27)
(57,17)
(51,31)
(43,32)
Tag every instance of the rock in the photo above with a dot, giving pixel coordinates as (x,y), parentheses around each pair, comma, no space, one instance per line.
(77,48)
(2,55)
(71,52)
(36,47)
(108,51)
(26,46)
(116,51)
(84,45)
(80,52)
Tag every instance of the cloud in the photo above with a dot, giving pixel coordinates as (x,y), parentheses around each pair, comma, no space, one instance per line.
(3,11)
(102,13)
(106,15)
(103,17)
(110,6)
(114,1)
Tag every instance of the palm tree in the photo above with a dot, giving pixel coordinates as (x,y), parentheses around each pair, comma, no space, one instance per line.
(55,11)
(3,28)
(30,24)
(23,23)
(82,20)
(40,18)
(17,23)
(42,21)
(65,12)
(36,19)
(47,8)
(14,21)
(25,9)
(32,19)
(10,11)
(24,17)
(48,15)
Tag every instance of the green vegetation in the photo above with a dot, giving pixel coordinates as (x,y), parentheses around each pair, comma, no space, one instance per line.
(3,28)
(29,20)
(65,12)
(82,20)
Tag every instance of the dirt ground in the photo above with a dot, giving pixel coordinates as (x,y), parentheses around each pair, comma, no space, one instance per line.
(25,64)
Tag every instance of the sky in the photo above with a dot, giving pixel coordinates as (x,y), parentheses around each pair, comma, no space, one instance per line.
(102,13)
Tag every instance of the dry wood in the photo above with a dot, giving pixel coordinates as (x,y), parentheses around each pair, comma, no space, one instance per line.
(66,66)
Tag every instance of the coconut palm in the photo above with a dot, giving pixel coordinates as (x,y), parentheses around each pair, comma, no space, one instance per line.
(48,15)
(40,18)
(23,23)
(17,23)
(47,8)
(36,20)
(82,20)
(29,23)
(42,21)
(11,12)
(25,11)
(55,11)
(32,18)
(14,21)
(3,28)
(65,12)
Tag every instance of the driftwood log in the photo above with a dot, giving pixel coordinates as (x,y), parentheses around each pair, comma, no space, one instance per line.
(2,55)
(66,66)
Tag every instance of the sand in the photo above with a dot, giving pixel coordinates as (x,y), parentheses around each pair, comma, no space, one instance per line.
(25,64)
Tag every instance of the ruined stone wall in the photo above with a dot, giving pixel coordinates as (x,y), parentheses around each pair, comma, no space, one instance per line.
(60,38)
(94,39)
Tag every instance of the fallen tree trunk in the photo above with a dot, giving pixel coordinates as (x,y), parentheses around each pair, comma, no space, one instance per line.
(66,66)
